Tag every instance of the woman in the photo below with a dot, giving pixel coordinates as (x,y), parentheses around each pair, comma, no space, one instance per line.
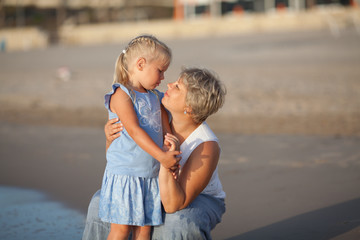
(194,201)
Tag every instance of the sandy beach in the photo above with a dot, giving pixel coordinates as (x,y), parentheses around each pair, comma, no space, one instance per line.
(289,130)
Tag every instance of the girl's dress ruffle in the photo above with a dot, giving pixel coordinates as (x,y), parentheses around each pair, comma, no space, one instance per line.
(130,200)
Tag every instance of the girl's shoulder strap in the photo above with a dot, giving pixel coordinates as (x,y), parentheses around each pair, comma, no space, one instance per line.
(113,89)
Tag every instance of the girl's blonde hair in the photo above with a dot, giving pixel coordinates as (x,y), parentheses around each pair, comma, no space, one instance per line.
(205,92)
(146,46)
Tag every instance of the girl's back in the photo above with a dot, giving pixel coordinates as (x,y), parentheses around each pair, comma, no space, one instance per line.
(124,156)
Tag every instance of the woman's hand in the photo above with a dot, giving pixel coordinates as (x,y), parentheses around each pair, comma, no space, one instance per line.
(112,130)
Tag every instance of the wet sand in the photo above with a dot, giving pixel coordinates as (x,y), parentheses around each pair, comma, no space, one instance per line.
(289,130)
(287,187)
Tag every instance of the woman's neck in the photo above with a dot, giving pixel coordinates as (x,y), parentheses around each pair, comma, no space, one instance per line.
(182,127)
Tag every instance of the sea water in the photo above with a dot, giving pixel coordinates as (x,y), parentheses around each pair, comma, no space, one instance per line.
(29,214)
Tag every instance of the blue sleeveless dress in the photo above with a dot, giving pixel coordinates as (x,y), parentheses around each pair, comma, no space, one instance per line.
(130,188)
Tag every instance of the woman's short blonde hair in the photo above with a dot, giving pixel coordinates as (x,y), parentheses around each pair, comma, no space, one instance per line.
(205,92)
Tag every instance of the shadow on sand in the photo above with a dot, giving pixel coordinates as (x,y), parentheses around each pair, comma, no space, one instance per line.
(322,224)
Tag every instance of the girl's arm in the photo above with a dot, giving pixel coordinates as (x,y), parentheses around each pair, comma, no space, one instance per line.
(122,105)
(165,120)
(194,177)
(113,129)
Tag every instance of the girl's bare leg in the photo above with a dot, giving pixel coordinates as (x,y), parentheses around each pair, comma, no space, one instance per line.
(141,233)
(119,232)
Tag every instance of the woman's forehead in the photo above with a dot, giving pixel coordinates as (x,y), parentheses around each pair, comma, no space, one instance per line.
(180,80)
(182,83)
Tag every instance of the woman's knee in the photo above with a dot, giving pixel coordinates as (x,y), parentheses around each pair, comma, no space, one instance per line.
(95,229)
(180,225)
(93,209)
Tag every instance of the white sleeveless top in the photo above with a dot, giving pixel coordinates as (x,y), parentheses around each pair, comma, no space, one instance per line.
(201,134)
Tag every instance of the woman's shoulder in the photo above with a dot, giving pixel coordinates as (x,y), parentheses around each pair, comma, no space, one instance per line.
(200,136)
(203,133)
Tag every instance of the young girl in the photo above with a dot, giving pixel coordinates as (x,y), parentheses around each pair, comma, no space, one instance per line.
(130,198)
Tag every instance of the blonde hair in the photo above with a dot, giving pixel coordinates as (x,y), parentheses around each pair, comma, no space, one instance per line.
(146,46)
(205,92)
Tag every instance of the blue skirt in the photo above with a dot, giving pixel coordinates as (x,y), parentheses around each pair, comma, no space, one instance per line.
(192,222)
(130,200)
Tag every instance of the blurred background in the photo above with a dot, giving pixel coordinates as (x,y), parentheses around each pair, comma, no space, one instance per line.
(289,129)
(39,23)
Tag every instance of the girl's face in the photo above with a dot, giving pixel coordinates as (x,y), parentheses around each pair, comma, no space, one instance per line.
(153,74)
(175,97)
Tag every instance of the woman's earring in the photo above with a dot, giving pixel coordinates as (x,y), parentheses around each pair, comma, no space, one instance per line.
(185,112)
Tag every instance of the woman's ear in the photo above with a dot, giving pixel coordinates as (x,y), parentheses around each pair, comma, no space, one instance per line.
(188,110)
(140,63)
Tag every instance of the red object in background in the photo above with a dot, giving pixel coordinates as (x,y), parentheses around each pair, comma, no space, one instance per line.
(178,10)
(238,10)
(281,7)
(353,3)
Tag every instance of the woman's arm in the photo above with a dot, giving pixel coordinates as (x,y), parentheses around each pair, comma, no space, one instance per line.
(194,177)
(122,105)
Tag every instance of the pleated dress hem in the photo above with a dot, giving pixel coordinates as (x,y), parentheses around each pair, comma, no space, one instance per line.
(130,200)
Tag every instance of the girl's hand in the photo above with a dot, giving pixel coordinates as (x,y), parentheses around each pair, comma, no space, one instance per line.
(112,130)
(170,159)
(171,143)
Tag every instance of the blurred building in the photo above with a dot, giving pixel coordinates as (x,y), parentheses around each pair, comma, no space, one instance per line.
(45,13)
(49,15)
(193,8)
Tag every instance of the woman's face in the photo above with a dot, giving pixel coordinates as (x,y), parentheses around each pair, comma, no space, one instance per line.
(175,97)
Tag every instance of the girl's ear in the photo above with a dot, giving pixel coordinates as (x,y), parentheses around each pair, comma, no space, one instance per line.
(140,63)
